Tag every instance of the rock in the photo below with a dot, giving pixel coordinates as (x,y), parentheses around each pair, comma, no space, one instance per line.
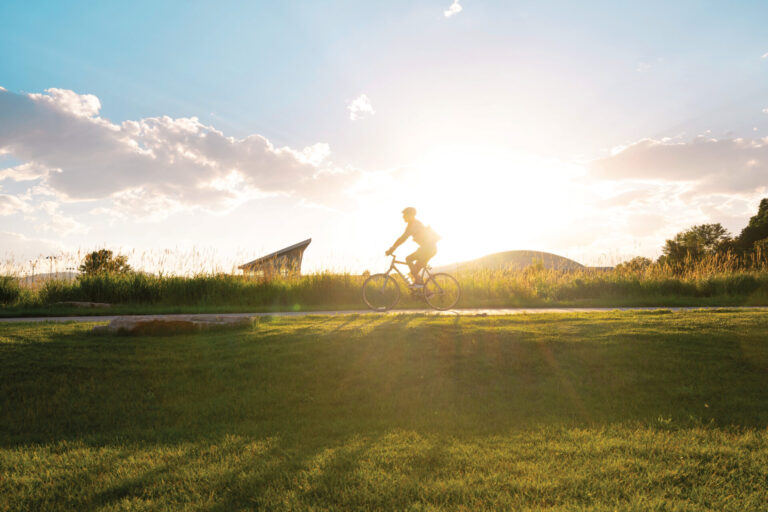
(174,324)
(78,304)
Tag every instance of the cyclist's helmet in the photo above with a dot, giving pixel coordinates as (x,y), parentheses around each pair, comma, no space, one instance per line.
(409,211)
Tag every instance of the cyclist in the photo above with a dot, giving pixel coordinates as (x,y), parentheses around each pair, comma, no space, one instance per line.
(423,235)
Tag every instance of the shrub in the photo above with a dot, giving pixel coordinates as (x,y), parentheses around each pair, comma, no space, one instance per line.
(9,289)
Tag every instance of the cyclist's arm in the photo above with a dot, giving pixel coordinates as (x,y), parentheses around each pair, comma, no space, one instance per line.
(399,241)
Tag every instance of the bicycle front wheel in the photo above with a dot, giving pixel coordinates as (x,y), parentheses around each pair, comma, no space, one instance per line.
(381,292)
(442,291)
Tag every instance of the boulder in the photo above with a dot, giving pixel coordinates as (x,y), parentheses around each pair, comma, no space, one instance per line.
(172,324)
(79,304)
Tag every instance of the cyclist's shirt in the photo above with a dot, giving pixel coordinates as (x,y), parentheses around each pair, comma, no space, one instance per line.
(422,235)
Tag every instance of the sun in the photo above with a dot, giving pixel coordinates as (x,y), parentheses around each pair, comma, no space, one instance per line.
(480,200)
(484,200)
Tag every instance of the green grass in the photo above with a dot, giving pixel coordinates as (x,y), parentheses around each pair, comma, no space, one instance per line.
(614,411)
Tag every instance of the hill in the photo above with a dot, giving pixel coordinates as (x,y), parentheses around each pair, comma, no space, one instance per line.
(39,278)
(514,260)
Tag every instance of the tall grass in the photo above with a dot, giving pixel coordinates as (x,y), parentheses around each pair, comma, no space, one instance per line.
(204,290)
(9,290)
(717,276)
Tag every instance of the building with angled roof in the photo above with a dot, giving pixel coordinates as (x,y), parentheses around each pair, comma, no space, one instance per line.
(283,263)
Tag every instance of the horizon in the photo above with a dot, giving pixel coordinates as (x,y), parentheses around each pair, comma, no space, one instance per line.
(594,132)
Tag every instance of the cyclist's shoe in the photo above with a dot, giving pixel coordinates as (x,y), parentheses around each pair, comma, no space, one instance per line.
(416,286)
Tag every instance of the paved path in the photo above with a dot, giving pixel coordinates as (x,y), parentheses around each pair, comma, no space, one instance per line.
(464,312)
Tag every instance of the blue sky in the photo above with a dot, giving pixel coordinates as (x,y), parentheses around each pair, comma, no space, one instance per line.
(546,88)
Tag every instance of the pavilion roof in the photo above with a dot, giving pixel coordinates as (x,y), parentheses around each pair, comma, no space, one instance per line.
(299,246)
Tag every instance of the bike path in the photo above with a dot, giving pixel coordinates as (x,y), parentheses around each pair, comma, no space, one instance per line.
(452,312)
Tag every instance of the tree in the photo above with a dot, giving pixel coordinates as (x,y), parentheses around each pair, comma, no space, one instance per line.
(636,264)
(103,261)
(757,229)
(694,243)
(761,250)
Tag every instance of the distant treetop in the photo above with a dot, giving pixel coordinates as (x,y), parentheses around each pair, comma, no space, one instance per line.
(756,230)
(103,261)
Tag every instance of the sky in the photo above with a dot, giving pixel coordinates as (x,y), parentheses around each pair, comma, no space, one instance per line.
(200,135)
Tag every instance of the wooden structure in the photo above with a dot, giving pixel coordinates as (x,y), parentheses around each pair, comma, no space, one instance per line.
(283,263)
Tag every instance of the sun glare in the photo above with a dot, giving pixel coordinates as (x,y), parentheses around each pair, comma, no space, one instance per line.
(487,200)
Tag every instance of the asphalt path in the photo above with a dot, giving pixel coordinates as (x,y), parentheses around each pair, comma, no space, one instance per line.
(452,312)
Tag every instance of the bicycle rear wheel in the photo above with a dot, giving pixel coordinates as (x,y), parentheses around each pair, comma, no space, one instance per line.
(381,292)
(442,291)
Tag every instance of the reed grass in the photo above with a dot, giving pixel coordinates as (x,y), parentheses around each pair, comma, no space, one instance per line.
(724,278)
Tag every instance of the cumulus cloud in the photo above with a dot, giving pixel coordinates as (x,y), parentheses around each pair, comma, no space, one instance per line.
(11,204)
(454,9)
(360,107)
(711,165)
(55,221)
(25,172)
(152,165)
(83,105)
(765,56)
(765,111)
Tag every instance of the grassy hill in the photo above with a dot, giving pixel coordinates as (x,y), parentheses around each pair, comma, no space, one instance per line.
(514,260)
(616,411)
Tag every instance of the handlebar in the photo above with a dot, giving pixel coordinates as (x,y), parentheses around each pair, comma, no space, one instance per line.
(394,259)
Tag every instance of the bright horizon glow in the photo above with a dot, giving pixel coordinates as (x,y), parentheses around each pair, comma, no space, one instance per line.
(486,200)
(553,126)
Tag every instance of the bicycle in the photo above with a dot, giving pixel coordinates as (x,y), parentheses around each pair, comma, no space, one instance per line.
(440,290)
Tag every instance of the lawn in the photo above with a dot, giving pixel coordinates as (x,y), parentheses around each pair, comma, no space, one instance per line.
(610,411)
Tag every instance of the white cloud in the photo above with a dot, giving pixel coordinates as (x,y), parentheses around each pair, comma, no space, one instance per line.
(3,88)
(24,172)
(642,67)
(155,165)
(360,107)
(454,9)
(84,105)
(765,111)
(11,204)
(56,221)
(709,165)
(765,56)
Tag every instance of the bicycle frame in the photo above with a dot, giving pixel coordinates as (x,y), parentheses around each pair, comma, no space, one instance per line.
(425,273)
(388,288)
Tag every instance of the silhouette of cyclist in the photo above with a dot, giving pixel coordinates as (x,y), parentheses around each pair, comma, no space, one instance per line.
(422,235)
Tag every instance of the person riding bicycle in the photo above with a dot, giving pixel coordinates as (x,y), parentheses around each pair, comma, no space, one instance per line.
(423,235)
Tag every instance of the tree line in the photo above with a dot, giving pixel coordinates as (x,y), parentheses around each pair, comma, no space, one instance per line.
(698,242)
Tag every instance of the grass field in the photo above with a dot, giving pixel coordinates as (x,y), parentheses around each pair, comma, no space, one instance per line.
(614,411)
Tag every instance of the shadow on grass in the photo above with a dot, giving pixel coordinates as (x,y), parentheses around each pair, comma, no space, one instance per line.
(301,378)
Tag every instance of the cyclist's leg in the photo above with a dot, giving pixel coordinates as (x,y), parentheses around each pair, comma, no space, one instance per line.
(411,260)
(426,254)
(418,260)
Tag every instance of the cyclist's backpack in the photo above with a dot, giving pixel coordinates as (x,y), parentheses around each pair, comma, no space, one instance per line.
(431,236)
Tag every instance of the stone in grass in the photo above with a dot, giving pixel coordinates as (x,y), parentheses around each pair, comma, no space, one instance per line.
(79,304)
(175,324)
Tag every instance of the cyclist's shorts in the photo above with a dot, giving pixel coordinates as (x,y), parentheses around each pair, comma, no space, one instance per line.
(423,254)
